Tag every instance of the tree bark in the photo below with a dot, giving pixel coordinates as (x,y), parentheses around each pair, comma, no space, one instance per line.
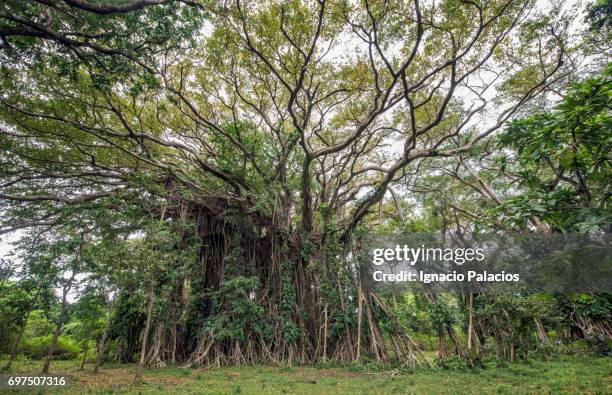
(442,353)
(17,341)
(143,348)
(60,322)
(21,332)
(540,330)
(359,315)
(85,354)
(102,345)
(325,335)
(470,322)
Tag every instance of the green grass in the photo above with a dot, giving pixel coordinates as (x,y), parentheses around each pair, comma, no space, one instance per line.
(567,374)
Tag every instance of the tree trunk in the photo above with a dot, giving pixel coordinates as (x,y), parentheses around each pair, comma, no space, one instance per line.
(542,335)
(325,335)
(442,353)
(85,354)
(60,323)
(560,331)
(17,341)
(174,342)
(21,332)
(53,344)
(359,315)
(470,322)
(143,348)
(102,345)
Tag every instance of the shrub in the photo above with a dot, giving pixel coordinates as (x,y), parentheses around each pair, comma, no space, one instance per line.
(582,347)
(453,362)
(598,345)
(36,348)
(492,362)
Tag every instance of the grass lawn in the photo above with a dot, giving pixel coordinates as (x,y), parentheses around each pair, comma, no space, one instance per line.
(570,374)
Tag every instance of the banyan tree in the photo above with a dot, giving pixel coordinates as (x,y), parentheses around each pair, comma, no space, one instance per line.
(263,140)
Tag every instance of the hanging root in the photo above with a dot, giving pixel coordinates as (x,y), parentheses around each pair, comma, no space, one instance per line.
(407,351)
